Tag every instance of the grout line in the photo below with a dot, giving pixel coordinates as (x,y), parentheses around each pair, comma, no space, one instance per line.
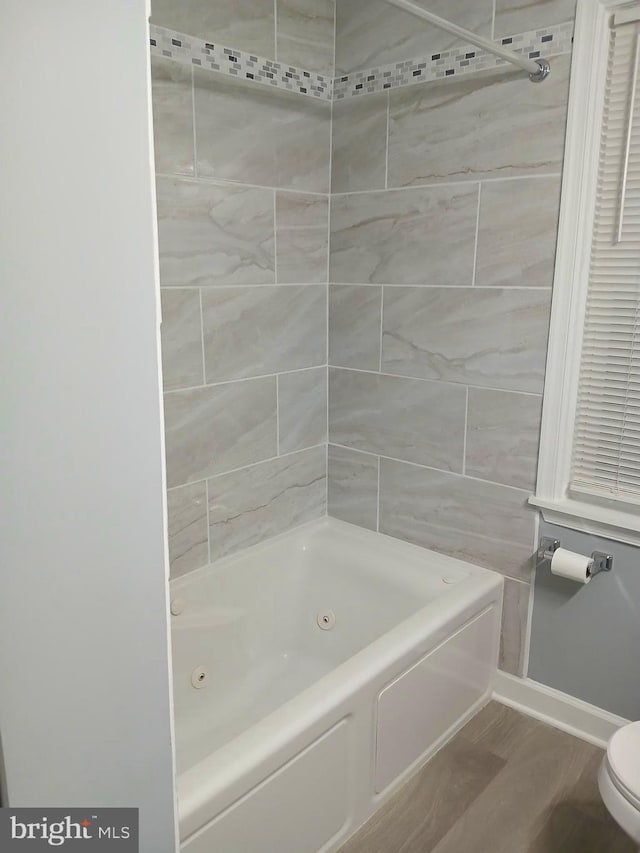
(480,287)
(327,439)
(335,45)
(244,379)
(386,172)
(330,193)
(381,325)
(227,182)
(453,183)
(475,253)
(246,467)
(275,30)
(450,382)
(277,415)
(327,397)
(204,361)
(206,492)
(275,237)
(329,197)
(213,288)
(458,474)
(378,500)
(328,258)
(466,427)
(193,122)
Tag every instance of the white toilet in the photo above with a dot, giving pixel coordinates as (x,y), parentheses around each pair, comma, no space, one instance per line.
(619,779)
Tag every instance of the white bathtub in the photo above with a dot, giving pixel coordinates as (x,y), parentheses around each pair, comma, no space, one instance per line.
(297,734)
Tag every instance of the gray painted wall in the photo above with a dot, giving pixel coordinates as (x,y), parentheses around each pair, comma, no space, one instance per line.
(585,640)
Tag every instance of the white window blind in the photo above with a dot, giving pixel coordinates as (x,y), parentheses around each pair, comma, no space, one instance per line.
(606,446)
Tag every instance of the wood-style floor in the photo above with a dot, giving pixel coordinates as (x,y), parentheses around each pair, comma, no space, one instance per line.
(505,784)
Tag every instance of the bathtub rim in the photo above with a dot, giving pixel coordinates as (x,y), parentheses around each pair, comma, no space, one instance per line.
(201,786)
(328,523)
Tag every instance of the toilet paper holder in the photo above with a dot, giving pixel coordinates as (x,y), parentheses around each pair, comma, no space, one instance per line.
(602,562)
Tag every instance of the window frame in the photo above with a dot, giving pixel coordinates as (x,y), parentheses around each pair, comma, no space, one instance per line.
(611,519)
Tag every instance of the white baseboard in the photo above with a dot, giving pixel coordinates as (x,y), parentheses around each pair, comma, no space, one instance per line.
(558,709)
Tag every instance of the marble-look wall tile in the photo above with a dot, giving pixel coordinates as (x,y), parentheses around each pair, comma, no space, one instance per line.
(404,418)
(188,528)
(519,16)
(424,236)
(359,142)
(302,409)
(486,125)
(302,238)
(248,506)
(305,34)
(181,339)
(267,137)
(353,487)
(482,523)
(370,32)
(172,117)
(503,433)
(213,234)
(513,634)
(215,429)
(517,232)
(354,326)
(252,331)
(243,24)
(495,338)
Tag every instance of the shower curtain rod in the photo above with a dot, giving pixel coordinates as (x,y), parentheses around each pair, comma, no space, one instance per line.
(538,69)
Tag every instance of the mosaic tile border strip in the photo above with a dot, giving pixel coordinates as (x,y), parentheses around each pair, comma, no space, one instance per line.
(193,51)
(535,44)
(188,50)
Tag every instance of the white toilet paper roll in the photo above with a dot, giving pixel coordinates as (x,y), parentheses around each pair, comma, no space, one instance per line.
(574,567)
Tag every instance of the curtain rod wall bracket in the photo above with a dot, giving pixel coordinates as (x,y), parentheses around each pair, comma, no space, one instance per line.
(543,73)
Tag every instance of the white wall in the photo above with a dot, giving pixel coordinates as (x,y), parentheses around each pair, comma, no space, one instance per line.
(84,675)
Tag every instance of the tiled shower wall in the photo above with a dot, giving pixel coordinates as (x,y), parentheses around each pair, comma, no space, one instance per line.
(296,32)
(243,183)
(444,203)
(371,32)
(444,217)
